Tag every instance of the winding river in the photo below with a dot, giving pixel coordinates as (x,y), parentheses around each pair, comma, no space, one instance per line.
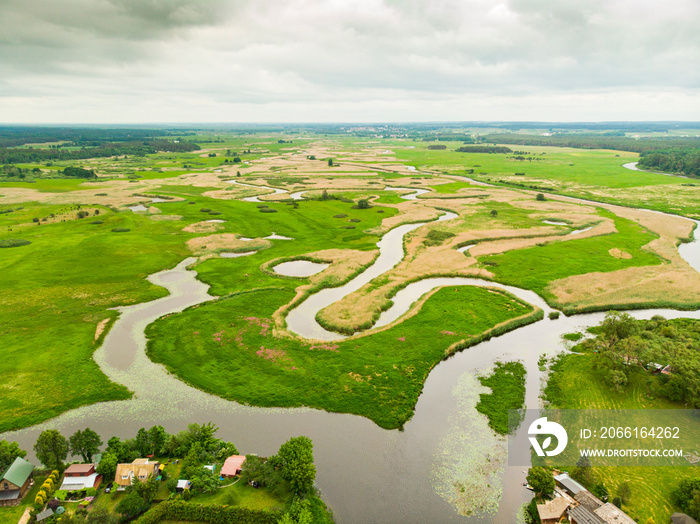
(365,473)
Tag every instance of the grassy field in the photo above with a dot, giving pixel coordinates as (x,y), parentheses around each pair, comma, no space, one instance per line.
(534,268)
(651,487)
(378,376)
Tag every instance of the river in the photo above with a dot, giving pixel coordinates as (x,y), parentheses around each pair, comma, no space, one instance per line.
(366,474)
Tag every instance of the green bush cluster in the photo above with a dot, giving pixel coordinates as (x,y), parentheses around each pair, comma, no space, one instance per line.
(13,242)
(179,510)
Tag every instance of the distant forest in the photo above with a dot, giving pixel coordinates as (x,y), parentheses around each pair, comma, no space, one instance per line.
(672,161)
(82,143)
(597,141)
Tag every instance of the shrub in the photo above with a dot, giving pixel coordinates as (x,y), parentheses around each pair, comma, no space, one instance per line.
(215,213)
(494,213)
(120,230)
(354,220)
(97,222)
(540,197)
(13,242)
(362,204)
(349,227)
(205,210)
(341,215)
(553,315)
(267,210)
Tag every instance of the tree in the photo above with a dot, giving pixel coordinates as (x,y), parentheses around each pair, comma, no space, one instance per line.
(296,462)
(51,448)
(624,492)
(363,204)
(131,505)
(600,491)
(494,213)
(85,443)
(108,465)
(146,490)
(9,451)
(157,437)
(143,445)
(583,472)
(540,197)
(541,481)
(330,162)
(100,515)
(687,496)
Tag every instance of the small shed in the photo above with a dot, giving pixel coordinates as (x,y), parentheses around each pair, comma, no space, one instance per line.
(44,515)
(182,485)
(15,482)
(553,511)
(682,518)
(565,482)
(232,466)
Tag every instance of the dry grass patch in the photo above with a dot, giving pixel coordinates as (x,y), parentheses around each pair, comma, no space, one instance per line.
(618,253)
(165,218)
(225,242)
(674,280)
(203,227)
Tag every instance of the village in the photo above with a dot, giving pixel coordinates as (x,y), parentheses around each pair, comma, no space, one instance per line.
(190,466)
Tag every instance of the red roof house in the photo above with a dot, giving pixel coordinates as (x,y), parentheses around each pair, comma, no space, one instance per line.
(232,466)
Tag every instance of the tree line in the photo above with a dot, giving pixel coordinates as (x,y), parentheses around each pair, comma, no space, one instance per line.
(682,161)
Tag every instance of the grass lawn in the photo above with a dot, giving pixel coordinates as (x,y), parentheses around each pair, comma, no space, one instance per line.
(378,376)
(243,495)
(651,487)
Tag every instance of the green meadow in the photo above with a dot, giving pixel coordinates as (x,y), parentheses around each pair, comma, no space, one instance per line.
(379,376)
(651,486)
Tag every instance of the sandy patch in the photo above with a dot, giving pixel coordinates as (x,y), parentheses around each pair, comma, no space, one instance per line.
(618,253)
(203,227)
(225,242)
(100,328)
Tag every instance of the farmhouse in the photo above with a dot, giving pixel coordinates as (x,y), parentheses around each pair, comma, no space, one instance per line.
(15,482)
(79,477)
(232,466)
(140,469)
(553,511)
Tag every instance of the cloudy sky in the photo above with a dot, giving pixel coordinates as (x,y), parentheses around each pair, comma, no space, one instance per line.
(132,61)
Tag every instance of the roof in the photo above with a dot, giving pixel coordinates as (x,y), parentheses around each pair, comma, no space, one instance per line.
(568,483)
(553,509)
(232,465)
(78,483)
(589,500)
(138,468)
(613,515)
(79,469)
(10,494)
(583,515)
(682,518)
(183,484)
(18,472)
(44,514)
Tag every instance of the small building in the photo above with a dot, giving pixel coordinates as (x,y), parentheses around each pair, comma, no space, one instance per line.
(565,482)
(553,511)
(582,515)
(79,477)
(182,485)
(15,482)
(611,514)
(232,466)
(139,470)
(44,515)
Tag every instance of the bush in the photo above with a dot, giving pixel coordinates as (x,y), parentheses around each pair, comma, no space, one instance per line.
(540,197)
(341,215)
(267,210)
(97,222)
(205,210)
(362,204)
(553,315)
(13,242)
(121,230)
